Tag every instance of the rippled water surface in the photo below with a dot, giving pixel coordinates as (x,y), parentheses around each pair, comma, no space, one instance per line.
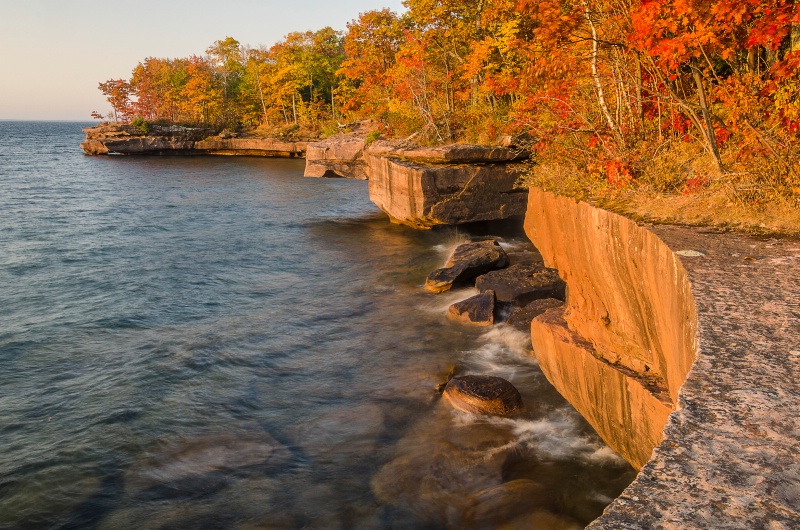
(221,343)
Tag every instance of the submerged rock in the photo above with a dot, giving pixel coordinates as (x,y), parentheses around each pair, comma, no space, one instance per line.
(469,261)
(521,284)
(498,505)
(521,318)
(477,310)
(484,394)
(188,466)
(440,465)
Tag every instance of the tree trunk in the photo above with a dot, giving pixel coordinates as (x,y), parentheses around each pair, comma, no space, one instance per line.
(794,43)
(294,109)
(711,137)
(639,107)
(598,86)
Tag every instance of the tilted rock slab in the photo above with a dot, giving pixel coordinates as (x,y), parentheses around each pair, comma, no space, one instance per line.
(467,262)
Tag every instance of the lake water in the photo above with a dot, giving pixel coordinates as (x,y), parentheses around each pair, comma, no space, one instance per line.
(221,343)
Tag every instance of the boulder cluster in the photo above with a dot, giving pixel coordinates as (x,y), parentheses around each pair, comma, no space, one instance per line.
(521,291)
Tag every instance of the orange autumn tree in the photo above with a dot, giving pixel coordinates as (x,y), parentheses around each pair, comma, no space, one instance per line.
(610,82)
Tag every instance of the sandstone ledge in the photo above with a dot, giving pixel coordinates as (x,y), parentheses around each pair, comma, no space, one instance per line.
(425,195)
(176,140)
(426,186)
(727,457)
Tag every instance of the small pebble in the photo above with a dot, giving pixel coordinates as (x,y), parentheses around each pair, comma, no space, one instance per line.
(690,253)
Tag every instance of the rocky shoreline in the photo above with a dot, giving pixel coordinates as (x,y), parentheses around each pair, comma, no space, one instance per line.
(119,139)
(630,347)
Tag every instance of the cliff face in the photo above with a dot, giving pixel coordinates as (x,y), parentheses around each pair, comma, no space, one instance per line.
(426,186)
(623,345)
(176,140)
(339,156)
(424,195)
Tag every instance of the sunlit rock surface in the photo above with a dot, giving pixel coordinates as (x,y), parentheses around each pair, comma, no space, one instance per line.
(622,348)
(337,156)
(729,458)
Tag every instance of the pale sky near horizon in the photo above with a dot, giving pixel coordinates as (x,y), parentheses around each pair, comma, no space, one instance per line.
(53,53)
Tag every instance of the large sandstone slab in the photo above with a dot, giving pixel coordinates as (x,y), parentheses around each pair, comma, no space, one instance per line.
(629,295)
(729,454)
(337,156)
(177,140)
(622,346)
(425,195)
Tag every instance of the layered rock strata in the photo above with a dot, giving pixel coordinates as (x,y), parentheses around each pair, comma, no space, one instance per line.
(427,186)
(176,140)
(422,194)
(621,347)
(338,156)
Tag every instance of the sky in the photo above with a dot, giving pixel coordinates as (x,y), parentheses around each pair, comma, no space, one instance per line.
(53,53)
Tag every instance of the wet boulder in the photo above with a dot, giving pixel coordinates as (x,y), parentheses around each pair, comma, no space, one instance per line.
(521,317)
(523,283)
(476,310)
(468,261)
(484,394)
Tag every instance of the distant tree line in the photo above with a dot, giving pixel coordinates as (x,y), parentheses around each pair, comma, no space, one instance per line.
(601,85)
